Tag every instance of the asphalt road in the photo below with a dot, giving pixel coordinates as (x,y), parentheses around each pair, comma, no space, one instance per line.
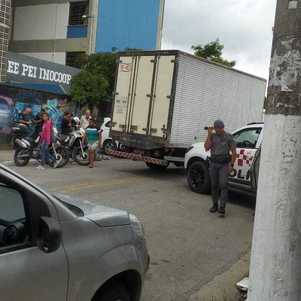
(188,245)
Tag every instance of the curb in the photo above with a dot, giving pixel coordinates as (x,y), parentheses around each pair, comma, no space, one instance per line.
(223,286)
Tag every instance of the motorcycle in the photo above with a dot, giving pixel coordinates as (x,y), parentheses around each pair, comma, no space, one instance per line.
(76,145)
(29,148)
(19,131)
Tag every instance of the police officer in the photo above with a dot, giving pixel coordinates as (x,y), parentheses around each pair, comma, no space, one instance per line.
(223,156)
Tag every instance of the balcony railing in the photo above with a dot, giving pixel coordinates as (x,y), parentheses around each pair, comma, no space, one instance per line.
(77,31)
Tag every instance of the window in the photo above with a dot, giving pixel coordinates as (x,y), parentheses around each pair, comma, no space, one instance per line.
(76,59)
(13,220)
(77,11)
(247,138)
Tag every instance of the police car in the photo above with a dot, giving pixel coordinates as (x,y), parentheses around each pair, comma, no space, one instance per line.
(244,176)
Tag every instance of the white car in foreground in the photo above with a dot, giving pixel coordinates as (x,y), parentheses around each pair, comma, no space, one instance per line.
(248,141)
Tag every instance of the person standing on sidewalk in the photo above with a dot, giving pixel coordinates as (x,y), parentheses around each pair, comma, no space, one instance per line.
(94,136)
(223,156)
(46,137)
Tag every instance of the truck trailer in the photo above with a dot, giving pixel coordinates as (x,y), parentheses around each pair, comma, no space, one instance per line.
(164,99)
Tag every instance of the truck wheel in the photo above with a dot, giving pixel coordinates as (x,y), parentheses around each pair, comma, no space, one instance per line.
(198,177)
(156,167)
(115,292)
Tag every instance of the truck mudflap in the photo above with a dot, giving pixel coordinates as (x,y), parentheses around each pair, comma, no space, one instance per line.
(137,157)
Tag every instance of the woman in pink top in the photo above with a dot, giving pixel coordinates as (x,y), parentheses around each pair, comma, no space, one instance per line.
(46,137)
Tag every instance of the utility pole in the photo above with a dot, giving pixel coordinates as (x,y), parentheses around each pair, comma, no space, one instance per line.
(5,6)
(275,273)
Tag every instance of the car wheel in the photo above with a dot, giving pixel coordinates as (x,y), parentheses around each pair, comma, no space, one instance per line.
(108,145)
(115,292)
(198,177)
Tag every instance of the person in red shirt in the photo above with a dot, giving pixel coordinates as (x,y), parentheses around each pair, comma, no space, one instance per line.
(46,137)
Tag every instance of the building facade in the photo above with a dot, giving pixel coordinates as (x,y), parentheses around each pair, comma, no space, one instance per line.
(63,31)
(34,83)
(132,24)
(5,6)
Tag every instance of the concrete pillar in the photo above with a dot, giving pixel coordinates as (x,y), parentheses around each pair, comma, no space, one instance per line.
(160,24)
(92,25)
(275,273)
(5,7)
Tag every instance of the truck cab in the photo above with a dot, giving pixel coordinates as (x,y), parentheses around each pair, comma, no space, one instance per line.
(244,176)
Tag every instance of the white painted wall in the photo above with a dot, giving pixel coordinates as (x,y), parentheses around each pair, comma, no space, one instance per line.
(41,22)
(57,57)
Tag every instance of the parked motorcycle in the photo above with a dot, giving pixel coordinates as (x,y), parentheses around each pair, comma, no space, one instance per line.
(29,148)
(76,146)
(19,131)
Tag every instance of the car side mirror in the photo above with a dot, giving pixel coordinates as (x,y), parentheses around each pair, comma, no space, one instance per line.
(50,234)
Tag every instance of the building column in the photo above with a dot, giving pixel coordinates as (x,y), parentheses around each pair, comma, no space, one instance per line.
(5,8)
(92,25)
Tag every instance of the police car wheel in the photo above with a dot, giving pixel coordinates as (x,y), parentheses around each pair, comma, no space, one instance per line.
(198,177)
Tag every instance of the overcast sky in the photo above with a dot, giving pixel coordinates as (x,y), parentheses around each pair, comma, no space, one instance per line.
(243,26)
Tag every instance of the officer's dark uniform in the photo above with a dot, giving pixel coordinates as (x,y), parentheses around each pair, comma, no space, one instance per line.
(219,167)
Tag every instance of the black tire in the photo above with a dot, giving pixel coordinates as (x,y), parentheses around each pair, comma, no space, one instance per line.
(198,177)
(156,167)
(63,157)
(114,292)
(108,145)
(79,158)
(19,158)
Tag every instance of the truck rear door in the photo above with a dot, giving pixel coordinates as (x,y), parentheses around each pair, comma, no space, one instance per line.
(162,95)
(142,95)
(126,70)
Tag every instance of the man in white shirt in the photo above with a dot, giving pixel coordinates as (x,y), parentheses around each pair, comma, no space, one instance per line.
(85,120)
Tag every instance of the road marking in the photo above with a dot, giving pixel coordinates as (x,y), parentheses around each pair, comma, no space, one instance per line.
(96,184)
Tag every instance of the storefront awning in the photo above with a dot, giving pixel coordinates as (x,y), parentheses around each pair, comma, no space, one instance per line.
(50,88)
(35,74)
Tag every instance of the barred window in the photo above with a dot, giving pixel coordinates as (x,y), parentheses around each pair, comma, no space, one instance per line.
(77,11)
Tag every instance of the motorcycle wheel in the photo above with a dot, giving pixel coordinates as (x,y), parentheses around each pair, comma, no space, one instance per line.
(81,158)
(22,157)
(62,157)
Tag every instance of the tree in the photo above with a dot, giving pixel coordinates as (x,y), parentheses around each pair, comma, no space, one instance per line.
(95,83)
(212,51)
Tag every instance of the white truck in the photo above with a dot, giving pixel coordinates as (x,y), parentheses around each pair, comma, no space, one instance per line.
(244,176)
(164,99)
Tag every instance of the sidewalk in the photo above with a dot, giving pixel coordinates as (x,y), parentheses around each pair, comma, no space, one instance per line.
(6,155)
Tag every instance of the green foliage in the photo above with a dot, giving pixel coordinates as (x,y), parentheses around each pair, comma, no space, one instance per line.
(212,51)
(95,83)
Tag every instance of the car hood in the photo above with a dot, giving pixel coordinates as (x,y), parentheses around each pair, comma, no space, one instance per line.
(101,215)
